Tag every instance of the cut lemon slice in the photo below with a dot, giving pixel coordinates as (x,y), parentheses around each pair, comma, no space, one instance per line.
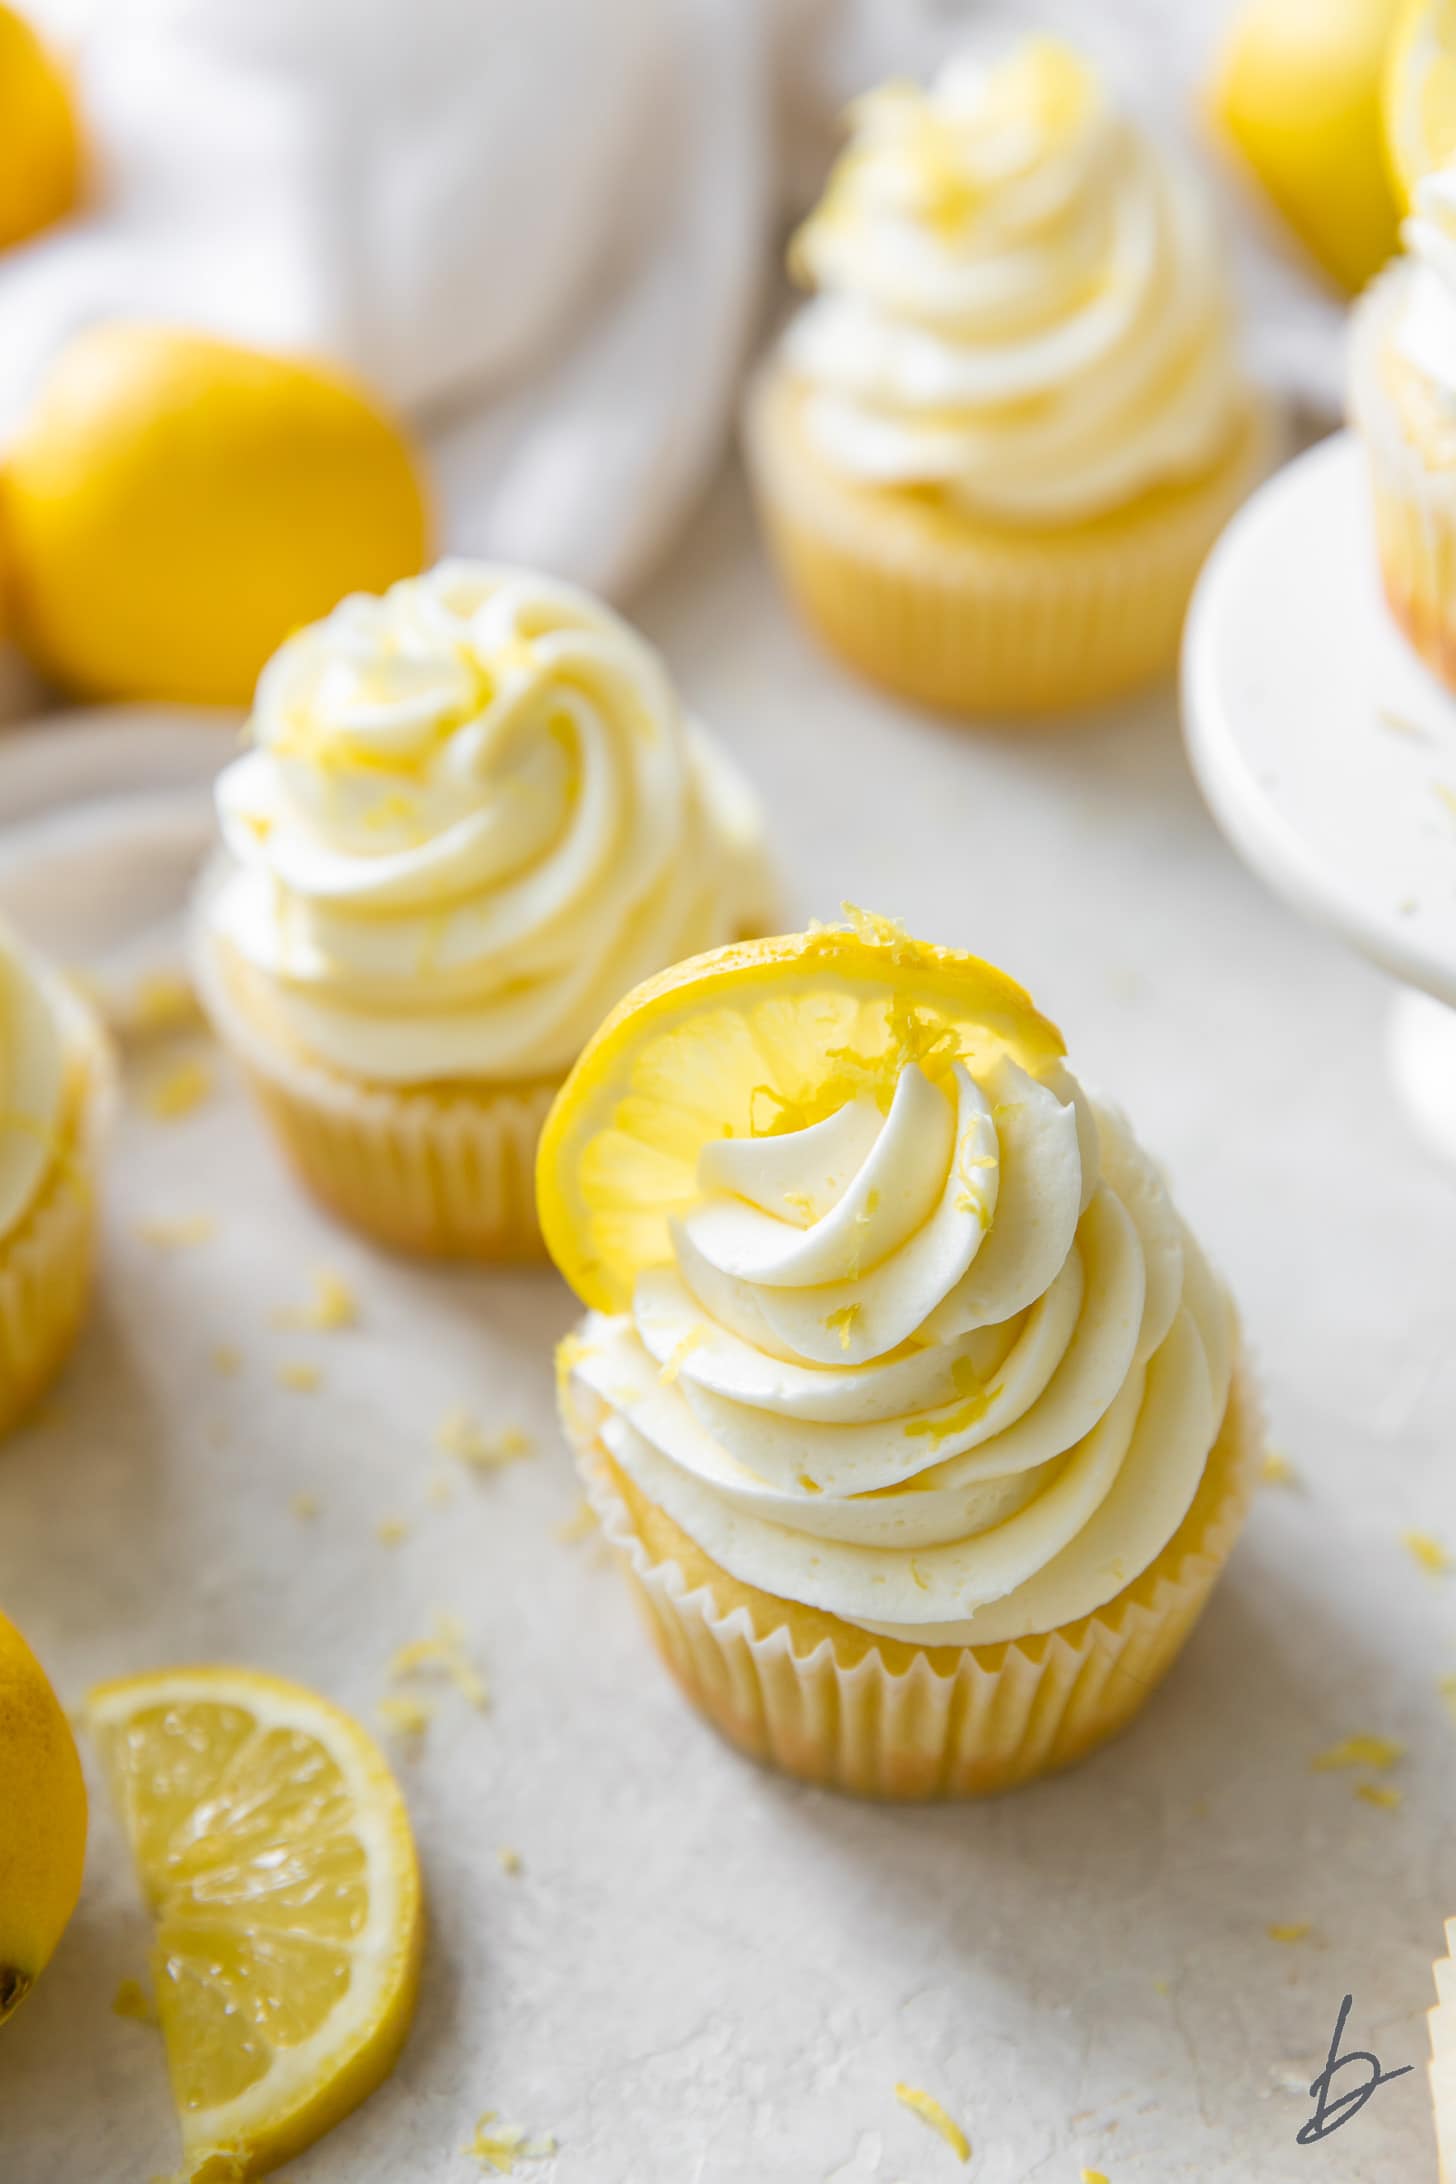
(1420,93)
(760,1037)
(276,1855)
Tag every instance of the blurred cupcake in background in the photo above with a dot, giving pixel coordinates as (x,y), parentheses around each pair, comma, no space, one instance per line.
(55,1086)
(473,816)
(1403,404)
(993,450)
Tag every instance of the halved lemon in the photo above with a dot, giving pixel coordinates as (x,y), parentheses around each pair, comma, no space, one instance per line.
(752,1039)
(1420,93)
(275,1851)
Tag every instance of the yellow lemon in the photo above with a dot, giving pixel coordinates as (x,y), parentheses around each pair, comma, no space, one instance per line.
(1297,91)
(276,1856)
(42,1820)
(40,145)
(762,1036)
(176,505)
(1420,93)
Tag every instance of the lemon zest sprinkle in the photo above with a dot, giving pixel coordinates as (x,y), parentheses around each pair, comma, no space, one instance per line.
(461,1436)
(976,1396)
(1428,1552)
(332,1306)
(508,1859)
(842,1323)
(1277,1470)
(681,1351)
(1385,1795)
(305,1507)
(500,2146)
(178,1232)
(444,1652)
(178,1091)
(579,1525)
(300,1377)
(226,1359)
(132,2000)
(391,1531)
(405,1714)
(929,2110)
(1294,1930)
(1358,1751)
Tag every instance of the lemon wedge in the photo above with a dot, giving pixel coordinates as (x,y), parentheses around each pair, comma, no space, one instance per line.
(1420,93)
(752,1039)
(276,1855)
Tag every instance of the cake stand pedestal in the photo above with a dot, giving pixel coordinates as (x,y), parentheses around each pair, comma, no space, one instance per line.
(1327,751)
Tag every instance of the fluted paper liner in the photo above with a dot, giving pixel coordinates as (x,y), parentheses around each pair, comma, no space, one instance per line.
(973,617)
(441,1171)
(832,1704)
(46,1262)
(1414,500)
(1442,2021)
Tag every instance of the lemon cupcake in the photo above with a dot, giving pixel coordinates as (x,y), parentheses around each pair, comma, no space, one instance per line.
(55,1091)
(911,1403)
(994,449)
(1403,404)
(472,817)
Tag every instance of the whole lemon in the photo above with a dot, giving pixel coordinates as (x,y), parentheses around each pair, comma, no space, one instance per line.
(40,145)
(176,505)
(1298,93)
(42,1820)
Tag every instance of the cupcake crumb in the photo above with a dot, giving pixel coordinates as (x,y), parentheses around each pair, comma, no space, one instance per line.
(929,2110)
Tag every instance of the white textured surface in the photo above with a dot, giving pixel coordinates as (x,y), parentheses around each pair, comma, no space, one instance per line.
(705,1975)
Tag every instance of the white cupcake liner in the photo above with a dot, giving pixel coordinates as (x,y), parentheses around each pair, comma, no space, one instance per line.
(948,1722)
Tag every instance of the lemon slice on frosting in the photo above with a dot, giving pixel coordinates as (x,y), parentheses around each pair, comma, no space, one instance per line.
(276,1855)
(750,1041)
(1420,93)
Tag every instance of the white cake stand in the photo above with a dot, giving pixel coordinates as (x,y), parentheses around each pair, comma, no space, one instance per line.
(1327,752)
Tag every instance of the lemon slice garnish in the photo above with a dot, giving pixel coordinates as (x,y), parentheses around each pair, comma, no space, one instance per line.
(1420,93)
(760,1037)
(276,1855)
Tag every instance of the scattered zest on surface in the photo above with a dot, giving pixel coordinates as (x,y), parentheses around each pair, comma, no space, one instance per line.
(1093,2176)
(579,1525)
(305,1507)
(1277,1470)
(332,1306)
(463,1437)
(178,1091)
(929,2110)
(226,1360)
(406,1715)
(444,1654)
(1358,1751)
(1428,1552)
(1384,1795)
(500,2146)
(1296,1930)
(300,1378)
(510,1860)
(391,1531)
(132,2000)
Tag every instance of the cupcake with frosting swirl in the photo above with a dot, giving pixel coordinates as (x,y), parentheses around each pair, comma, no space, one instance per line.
(914,1406)
(472,816)
(993,449)
(55,1095)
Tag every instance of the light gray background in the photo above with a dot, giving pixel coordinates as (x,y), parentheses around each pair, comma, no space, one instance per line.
(705,1975)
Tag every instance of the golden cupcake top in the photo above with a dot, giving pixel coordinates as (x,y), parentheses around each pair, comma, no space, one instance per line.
(890,1316)
(474,813)
(1021,299)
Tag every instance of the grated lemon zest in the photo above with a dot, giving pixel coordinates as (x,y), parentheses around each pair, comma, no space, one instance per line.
(500,2146)
(1446,795)
(1277,1470)
(132,2000)
(161,1001)
(1295,1930)
(305,1507)
(405,1714)
(678,1356)
(391,1531)
(177,1232)
(178,1091)
(843,1322)
(1093,2176)
(1428,1552)
(444,1651)
(332,1306)
(462,1436)
(508,1859)
(301,1378)
(580,1524)
(226,1360)
(929,2110)
(1385,1795)
(976,1396)
(1358,1751)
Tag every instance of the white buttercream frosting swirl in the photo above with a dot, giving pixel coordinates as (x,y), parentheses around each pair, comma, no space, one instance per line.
(474,816)
(950,1370)
(38,1034)
(1021,300)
